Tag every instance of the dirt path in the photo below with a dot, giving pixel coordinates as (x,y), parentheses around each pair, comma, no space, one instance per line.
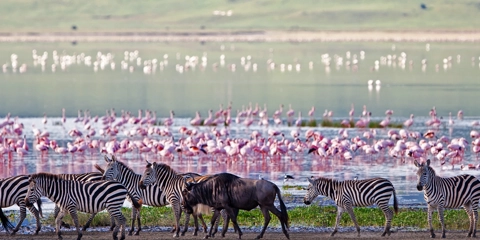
(248,235)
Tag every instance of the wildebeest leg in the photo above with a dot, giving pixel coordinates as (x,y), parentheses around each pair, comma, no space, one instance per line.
(337,221)
(277,213)
(266,221)
(204,225)
(349,209)
(232,214)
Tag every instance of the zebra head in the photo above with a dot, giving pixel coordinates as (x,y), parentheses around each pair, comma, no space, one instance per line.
(312,191)
(111,172)
(423,174)
(34,192)
(149,176)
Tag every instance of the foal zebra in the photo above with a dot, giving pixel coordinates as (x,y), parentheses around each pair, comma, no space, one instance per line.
(355,193)
(172,184)
(73,196)
(13,191)
(452,192)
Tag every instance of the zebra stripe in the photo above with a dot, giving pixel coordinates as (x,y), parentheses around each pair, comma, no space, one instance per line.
(73,196)
(355,193)
(13,191)
(452,192)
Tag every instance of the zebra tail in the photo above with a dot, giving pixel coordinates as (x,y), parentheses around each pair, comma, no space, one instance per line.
(6,224)
(39,204)
(283,208)
(100,169)
(136,204)
(395,202)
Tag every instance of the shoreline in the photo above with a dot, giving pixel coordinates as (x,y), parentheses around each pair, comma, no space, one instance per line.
(245,36)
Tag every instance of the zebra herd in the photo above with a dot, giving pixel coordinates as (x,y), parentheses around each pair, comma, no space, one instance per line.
(160,185)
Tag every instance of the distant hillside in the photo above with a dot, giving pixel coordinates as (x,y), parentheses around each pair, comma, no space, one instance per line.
(31,16)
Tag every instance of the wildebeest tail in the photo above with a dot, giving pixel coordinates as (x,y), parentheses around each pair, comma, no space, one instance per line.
(6,224)
(283,208)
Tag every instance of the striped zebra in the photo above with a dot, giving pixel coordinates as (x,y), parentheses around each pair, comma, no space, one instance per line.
(13,191)
(172,184)
(73,196)
(452,192)
(82,177)
(355,193)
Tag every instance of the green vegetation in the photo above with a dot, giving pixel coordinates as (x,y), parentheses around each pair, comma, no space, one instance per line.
(312,216)
(198,16)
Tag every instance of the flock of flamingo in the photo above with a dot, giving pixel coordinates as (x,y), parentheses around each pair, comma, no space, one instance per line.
(256,136)
(132,61)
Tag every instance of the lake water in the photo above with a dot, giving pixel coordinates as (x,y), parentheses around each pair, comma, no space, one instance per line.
(414,78)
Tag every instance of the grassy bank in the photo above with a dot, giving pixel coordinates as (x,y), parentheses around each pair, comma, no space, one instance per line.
(234,15)
(310,216)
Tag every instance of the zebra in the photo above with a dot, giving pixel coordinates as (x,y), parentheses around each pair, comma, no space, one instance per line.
(73,196)
(13,191)
(172,184)
(82,177)
(351,193)
(452,192)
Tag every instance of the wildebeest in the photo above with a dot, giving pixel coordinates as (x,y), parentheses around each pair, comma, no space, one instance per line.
(230,192)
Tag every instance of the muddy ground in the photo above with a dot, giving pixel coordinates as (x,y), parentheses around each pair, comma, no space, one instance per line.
(269,235)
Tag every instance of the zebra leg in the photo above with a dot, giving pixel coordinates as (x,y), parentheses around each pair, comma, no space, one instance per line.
(441,219)
(429,219)
(195,223)
(475,220)
(354,219)
(55,214)
(187,221)
(120,222)
(213,230)
(73,214)
(87,224)
(58,223)
(139,223)
(177,211)
(468,209)
(35,213)
(337,221)
(134,216)
(23,215)
(388,219)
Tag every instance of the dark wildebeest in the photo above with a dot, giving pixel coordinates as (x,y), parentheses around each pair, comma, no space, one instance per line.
(230,192)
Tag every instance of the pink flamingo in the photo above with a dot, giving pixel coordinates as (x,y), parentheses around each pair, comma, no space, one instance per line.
(352,112)
(23,150)
(311,113)
(197,120)
(209,120)
(169,121)
(298,122)
(408,122)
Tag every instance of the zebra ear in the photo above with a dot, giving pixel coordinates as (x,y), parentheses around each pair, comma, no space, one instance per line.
(310,180)
(114,159)
(148,163)
(428,162)
(107,159)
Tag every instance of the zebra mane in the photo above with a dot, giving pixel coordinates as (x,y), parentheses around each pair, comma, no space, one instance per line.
(324,179)
(48,176)
(125,166)
(163,168)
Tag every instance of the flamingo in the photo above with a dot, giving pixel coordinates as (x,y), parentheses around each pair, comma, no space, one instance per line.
(311,113)
(298,122)
(408,122)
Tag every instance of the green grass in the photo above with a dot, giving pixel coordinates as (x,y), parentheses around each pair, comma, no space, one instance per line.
(312,216)
(248,15)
